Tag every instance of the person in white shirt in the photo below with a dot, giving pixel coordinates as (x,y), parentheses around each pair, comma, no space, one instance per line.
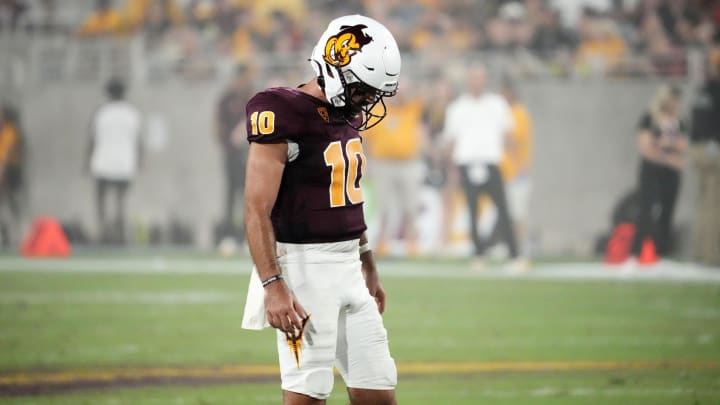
(476,125)
(114,155)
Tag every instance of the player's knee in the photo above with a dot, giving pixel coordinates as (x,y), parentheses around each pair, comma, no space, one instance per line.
(380,375)
(319,383)
(371,397)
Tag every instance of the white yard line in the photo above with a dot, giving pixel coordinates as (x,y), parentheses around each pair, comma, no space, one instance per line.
(563,392)
(116,264)
(664,271)
(119,297)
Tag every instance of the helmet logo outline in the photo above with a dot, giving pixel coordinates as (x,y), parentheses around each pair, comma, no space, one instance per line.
(340,47)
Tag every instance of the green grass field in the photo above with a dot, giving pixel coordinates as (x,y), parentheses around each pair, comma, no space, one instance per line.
(458,339)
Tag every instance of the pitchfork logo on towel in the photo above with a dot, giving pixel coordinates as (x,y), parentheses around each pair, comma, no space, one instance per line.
(294,340)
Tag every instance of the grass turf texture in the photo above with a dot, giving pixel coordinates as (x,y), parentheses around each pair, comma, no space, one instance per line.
(51,321)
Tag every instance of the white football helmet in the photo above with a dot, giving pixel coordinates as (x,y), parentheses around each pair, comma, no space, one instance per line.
(357,52)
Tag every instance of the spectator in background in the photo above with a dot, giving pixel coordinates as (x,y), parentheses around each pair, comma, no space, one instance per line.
(664,56)
(202,14)
(551,40)
(476,126)
(601,47)
(103,21)
(520,30)
(278,32)
(705,154)
(394,150)
(11,175)
(662,140)
(114,156)
(515,167)
(498,34)
(429,33)
(230,124)
(48,22)
(240,43)
(153,15)
(440,173)
(11,11)
(226,17)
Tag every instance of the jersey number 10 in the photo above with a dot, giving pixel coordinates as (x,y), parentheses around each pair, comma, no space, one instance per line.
(265,123)
(341,184)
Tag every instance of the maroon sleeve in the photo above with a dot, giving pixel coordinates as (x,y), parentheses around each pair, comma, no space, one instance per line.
(267,119)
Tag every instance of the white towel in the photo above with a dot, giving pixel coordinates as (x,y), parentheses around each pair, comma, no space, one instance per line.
(254,316)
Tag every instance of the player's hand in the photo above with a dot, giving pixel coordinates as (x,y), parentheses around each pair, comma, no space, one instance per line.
(379,295)
(372,281)
(282,308)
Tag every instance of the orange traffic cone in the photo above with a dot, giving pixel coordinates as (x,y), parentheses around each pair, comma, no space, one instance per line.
(647,253)
(46,239)
(620,243)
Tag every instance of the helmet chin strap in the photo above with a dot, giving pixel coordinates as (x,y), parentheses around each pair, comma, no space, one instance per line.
(320,77)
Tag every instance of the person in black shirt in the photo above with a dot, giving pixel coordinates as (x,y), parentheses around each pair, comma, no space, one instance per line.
(662,140)
(705,156)
(230,120)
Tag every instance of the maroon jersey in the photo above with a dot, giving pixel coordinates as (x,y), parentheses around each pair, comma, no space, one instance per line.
(319,198)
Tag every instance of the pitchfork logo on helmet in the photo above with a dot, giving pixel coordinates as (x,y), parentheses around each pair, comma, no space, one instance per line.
(357,62)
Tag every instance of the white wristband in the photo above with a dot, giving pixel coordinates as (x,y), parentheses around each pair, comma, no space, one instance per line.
(364,248)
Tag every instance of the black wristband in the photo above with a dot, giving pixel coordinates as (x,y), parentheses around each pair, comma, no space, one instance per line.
(271,280)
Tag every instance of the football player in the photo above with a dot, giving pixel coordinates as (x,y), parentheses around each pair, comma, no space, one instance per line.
(315,279)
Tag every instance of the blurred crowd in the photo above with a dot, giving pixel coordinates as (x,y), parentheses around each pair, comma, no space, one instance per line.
(609,37)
